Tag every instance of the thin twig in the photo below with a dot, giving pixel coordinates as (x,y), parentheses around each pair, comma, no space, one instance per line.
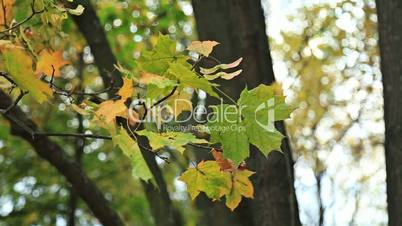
(7,77)
(93,136)
(165,97)
(20,96)
(34,12)
(207,147)
(226,95)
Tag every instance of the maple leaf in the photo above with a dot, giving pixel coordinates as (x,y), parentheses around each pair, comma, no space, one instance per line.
(240,186)
(260,123)
(159,81)
(175,140)
(206,177)
(188,78)
(205,47)
(19,64)
(229,130)
(157,60)
(131,149)
(48,60)
(254,123)
(108,110)
(127,90)
(180,101)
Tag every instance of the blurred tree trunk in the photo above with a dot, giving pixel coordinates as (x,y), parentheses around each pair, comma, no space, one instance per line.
(390,31)
(239,25)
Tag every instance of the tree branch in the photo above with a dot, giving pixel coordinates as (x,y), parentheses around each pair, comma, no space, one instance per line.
(54,154)
(89,25)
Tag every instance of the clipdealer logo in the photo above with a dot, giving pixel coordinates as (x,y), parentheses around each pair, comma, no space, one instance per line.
(145,110)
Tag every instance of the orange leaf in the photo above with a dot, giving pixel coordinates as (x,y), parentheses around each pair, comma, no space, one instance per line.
(225,164)
(110,109)
(127,90)
(47,60)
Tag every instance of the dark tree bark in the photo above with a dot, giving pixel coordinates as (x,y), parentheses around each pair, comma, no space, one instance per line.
(239,25)
(163,211)
(47,149)
(89,25)
(390,31)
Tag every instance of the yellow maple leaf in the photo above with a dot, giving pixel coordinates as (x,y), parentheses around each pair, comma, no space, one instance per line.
(127,90)
(48,60)
(19,65)
(241,186)
(180,101)
(206,177)
(205,47)
(109,110)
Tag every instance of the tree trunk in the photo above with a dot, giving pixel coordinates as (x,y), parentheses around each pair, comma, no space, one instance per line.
(390,31)
(239,25)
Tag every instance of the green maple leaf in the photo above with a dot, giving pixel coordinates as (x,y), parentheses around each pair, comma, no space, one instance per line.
(263,97)
(188,78)
(157,60)
(257,111)
(228,129)
(131,149)
(261,108)
(176,140)
(266,141)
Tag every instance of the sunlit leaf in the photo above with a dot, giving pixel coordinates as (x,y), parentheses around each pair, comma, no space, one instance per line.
(175,140)
(157,60)
(159,81)
(240,186)
(19,65)
(109,110)
(203,47)
(131,149)
(188,78)
(127,90)
(207,177)
(77,11)
(227,128)
(47,60)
